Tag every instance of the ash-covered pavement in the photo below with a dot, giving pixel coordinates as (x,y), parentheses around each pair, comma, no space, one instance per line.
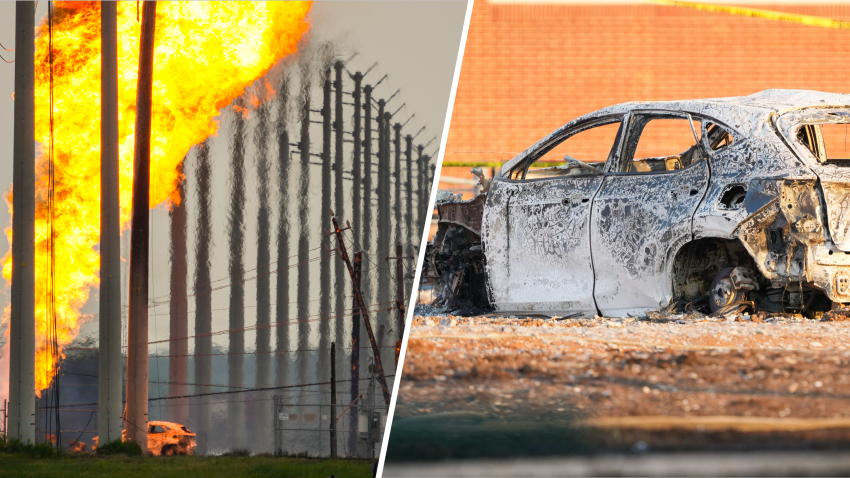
(682,382)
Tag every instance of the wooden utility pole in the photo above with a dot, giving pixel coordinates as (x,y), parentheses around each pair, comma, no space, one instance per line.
(375,349)
(22,314)
(137,324)
(110,374)
(355,351)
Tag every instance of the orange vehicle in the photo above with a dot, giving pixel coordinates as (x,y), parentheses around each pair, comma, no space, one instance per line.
(168,439)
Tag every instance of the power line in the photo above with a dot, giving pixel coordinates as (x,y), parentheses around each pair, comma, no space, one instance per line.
(276,324)
(263,389)
(281,387)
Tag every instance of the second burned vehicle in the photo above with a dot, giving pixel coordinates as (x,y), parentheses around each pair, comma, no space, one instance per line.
(714,204)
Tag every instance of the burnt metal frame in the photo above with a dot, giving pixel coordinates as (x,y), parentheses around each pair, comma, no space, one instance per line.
(565,135)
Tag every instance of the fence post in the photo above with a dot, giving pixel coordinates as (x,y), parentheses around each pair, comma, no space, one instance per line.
(355,355)
(276,418)
(333,400)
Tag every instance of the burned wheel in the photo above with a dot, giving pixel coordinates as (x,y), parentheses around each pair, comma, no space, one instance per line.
(168,451)
(723,292)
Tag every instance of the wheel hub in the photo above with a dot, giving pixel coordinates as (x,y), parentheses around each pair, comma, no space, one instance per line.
(724,293)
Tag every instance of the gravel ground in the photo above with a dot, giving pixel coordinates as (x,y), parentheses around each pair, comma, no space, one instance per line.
(677,382)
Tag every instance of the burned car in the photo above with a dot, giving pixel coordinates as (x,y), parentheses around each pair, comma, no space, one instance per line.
(713,205)
(167,439)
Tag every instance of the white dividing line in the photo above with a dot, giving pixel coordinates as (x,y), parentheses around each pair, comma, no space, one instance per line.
(425,228)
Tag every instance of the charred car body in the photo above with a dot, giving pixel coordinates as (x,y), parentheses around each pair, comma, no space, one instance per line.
(710,204)
(167,439)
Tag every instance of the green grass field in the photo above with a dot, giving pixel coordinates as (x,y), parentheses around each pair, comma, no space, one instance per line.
(18,465)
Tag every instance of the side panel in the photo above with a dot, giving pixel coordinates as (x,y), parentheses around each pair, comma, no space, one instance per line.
(761,157)
(639,221)
(537,247)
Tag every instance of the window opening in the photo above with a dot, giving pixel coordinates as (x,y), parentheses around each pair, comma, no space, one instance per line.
(661,143)
(829,143)
(718,137)
(592,146)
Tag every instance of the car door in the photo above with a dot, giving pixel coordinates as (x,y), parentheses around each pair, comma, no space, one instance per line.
(535,225)
(643,211)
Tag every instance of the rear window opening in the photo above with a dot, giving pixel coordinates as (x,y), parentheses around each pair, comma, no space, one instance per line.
(829,143)
(718,136)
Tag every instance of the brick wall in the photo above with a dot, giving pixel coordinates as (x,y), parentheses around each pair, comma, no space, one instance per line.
(529,69)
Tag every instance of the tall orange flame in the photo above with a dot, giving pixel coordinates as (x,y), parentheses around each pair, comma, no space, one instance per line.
(206,54)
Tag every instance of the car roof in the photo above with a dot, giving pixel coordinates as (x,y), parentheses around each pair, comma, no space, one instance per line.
(744,113)
(768,100)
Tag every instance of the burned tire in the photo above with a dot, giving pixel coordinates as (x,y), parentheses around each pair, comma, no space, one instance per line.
(722,292)
(168,451)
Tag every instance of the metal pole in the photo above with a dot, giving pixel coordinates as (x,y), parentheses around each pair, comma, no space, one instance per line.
(412,239)
(430,170)
(355,355)
(408,217)
(282,284)
(397,175)
(304,232)
(137,326)
(260,419)
(22,318)
(325,261)
(201,411)
(422,205)
(110,373)
(333,400)
(363,308)
(276,418)
(399,298)
(368,186)
(356,173)
(178,350)
(236,270)
(339,201)
(384,220)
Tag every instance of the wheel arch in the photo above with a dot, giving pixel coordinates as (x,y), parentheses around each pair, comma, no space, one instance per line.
(695,264)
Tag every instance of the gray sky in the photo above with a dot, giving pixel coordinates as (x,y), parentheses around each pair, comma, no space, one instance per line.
(415,42)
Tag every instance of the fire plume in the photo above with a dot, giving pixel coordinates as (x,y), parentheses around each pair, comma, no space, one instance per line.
(206,54)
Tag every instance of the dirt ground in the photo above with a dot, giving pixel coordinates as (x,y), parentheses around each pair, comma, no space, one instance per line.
(679,382)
